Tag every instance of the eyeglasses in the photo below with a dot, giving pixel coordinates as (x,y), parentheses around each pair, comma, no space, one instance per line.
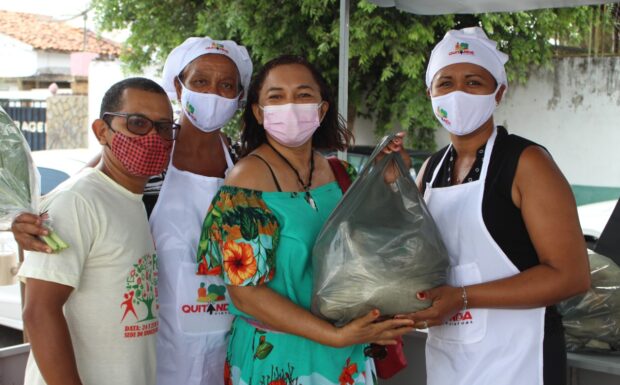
(375,351)
(141,125)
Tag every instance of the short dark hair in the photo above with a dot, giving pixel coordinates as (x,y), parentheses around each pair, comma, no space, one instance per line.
(113,98)
(332,133)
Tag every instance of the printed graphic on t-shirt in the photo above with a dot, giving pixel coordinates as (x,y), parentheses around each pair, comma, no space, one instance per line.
(140,301)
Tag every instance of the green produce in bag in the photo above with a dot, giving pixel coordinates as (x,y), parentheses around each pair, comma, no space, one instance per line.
(19,179)
(592,320)
(379,247)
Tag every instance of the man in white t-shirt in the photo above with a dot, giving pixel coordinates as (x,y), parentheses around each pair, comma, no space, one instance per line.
(91,311)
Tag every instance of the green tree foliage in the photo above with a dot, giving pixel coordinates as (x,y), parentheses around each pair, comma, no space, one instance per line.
(388,48)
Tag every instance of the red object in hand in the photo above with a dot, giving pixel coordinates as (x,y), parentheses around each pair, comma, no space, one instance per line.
(394,361)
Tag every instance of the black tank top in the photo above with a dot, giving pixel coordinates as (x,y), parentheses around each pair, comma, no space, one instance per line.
(505,224)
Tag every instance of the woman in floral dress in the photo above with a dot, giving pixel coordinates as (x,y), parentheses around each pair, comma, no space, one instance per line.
(260,231)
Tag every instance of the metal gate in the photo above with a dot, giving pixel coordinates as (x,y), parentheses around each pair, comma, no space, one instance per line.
(29,115)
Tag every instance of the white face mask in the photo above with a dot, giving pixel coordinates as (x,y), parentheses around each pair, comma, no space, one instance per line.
(208,112)
(461,113)
(291,124)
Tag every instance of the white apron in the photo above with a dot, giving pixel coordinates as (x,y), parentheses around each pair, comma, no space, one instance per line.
(479,346)
(193,314)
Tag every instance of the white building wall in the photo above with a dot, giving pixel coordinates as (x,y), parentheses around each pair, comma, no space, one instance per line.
(54,62)
(18,59)
(364,131)
(101,75)
(574,111)
(21,60)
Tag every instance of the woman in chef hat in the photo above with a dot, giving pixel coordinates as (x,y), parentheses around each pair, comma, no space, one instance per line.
(509,220)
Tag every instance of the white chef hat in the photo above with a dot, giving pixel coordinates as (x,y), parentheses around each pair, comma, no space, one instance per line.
(194,47)
(467,45)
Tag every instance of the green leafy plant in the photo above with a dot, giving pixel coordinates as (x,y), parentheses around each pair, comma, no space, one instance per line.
(19,189)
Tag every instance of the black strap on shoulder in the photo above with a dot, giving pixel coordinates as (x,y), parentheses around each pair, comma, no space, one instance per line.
(275,180)
(433,162)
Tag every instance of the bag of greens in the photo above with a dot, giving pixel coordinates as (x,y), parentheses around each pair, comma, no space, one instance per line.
(19,179)
(378,248)
(592,320)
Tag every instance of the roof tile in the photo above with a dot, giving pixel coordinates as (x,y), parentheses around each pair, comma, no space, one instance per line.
(45,33)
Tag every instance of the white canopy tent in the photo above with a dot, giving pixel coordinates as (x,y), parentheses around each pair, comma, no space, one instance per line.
(436,7)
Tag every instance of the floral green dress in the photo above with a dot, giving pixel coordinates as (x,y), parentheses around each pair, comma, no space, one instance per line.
(254,238)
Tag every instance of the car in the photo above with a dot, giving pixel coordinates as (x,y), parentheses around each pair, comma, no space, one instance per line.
(357,156)
(593,217)
(55,166)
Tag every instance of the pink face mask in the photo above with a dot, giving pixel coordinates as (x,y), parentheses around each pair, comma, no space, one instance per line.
(291,124)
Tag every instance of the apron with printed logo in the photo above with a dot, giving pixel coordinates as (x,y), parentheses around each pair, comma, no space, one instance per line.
(194,318)
(479,346)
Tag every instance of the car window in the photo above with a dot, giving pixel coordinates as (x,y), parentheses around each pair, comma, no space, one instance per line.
(356,160)
(51,178)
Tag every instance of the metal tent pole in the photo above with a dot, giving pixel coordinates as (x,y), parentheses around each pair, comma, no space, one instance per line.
(343,66)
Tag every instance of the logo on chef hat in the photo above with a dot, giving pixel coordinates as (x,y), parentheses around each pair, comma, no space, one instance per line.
(461,48)
(443,115)
(217,47)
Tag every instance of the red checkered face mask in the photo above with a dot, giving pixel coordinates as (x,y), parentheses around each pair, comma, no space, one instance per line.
(142,155)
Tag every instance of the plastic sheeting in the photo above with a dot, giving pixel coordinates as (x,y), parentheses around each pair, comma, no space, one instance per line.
(592,320)
(378,248)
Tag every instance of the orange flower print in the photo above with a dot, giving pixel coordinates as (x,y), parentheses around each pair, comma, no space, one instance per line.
(233,232)
(228,203)
(215,270)
(239,262)
(279,381)
(241,198)
(268,229)
(215,233)
(346,377)
(227,378)
(268,277)
(202,266)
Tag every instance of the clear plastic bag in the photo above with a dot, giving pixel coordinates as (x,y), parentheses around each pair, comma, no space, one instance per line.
(592,320)
(19,178)
(378,248)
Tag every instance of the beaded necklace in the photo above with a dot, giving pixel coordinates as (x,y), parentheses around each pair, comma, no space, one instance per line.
(304,186)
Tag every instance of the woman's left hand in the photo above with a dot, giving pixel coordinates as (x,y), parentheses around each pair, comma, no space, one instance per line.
(447,301)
